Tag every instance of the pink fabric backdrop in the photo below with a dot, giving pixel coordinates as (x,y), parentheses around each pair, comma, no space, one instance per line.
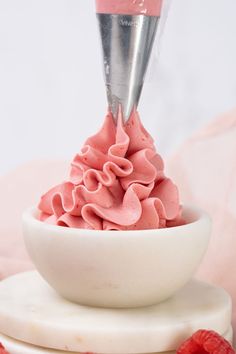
(204,168)
(19,190)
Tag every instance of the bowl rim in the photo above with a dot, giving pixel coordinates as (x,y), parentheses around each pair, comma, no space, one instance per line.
(29,216)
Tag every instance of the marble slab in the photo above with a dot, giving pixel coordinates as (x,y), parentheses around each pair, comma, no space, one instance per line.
(30,311)
(17,347)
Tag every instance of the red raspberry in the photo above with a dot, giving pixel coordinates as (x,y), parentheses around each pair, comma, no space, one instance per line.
(2,349)
(206,342)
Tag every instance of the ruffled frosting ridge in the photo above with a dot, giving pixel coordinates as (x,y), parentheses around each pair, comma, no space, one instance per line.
(116,182)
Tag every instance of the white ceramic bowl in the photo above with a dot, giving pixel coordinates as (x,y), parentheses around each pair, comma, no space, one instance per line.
(117,268)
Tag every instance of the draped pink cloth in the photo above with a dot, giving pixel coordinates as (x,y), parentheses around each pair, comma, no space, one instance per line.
(19,190)
(204,169)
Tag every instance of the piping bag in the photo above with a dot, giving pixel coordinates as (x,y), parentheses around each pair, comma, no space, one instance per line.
(127,29)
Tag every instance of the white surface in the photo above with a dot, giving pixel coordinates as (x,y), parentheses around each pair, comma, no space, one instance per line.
(16,347)
(117,268)
(32,312)
(51,87)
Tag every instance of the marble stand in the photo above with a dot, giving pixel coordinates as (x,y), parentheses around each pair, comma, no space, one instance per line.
(17,347)
(31,312)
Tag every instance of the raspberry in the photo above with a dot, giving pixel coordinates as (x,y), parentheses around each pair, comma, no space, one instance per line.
(206,342)
(2,349)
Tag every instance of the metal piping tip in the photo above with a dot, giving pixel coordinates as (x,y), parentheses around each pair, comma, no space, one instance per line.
(127,42)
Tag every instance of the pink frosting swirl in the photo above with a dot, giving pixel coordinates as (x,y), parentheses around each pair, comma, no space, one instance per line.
(116,182)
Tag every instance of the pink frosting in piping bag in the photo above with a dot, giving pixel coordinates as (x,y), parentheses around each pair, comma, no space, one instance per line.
(116,182)
(129,7)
